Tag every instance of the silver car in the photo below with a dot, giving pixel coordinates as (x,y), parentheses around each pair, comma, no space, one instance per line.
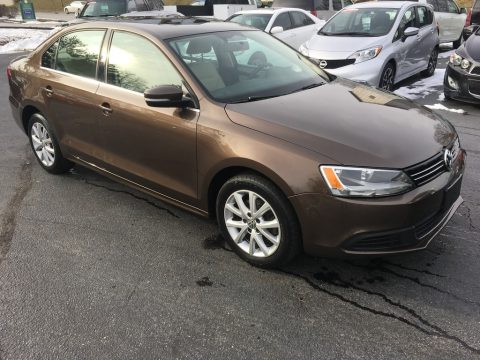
(379,43)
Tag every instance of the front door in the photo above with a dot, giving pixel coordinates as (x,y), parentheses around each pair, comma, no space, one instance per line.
(152,146)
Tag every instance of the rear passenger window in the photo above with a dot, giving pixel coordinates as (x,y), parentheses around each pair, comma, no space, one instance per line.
(442,5)
(322,5)
(137,64)
(283,20)
(48,57)
(337,4)
(452,7)
(300,19)
(78,53)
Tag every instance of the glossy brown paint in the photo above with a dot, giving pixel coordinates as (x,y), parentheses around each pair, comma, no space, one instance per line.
(179,154)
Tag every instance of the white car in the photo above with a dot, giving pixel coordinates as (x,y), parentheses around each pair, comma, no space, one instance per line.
(450,19)
(74,7)
(292,26)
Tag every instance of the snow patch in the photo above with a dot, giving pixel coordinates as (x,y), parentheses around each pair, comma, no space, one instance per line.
(424,87)
(12,40)
(443,107)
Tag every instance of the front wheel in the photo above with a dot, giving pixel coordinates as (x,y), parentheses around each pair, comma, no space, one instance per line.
(45,146)
(432,64)
(66,11)
(257,221)
(387,79)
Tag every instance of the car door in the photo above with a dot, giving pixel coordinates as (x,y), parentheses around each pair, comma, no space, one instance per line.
(407,53)
(303,26)
(154,147)
(426,39)
(457,20)
(288,34)
(68,80)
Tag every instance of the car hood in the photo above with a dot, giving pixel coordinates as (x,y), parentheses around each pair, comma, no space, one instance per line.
(350,123)
(472,47)
(339,47)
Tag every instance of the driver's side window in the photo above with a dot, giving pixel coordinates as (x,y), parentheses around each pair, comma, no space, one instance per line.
(283,20)
(408,20)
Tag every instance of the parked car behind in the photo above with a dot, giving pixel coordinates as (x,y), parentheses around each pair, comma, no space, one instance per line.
(292,26)
(462,77)
(74,7)
(473,20)
(225,120)
(323,9)
(450,18)
(380,43)
(93,10)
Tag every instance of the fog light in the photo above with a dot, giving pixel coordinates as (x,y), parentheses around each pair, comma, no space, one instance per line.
(452,83)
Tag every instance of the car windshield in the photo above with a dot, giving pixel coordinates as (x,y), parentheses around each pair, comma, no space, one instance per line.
(241,66)
(360,22)
(260,21)
(104,8)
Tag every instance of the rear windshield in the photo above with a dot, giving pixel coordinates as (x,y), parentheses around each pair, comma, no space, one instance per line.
(360,22)
(259,21)
(300,4)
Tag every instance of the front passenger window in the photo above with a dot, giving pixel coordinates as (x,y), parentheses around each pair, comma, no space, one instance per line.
(78,53)
(137,64)
(283,20)
(408,20)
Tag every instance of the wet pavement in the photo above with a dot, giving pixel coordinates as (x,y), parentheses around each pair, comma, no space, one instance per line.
(91,269)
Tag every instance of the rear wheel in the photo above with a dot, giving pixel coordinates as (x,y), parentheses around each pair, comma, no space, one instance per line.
(458,42)
(45,146)
(387,79)
(432,64)
(257,221)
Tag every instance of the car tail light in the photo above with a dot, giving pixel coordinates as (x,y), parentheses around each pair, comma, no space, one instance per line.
(9,72)
(313,12)
(468,20)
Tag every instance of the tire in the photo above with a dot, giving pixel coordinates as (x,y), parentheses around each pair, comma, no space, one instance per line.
(458,42)
(259,245)
(45,146)
(432,64)
(446,95)
(66,11)
(387,79)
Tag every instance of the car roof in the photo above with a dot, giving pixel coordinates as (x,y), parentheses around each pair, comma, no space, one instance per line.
(383,4)
(268,10)
(166,28)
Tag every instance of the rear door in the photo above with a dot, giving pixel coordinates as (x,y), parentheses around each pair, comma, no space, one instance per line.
(68,79)
(151,146)
(426,38)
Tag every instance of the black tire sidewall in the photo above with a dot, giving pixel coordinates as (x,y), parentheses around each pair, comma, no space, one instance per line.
(290,239)
(389,65)
(60,165)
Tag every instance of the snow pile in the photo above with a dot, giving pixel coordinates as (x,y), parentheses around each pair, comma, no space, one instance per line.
(424,87)
(443,107)
(12,40)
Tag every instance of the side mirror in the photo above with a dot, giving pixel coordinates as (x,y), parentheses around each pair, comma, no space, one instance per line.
(276,30)
(463,10)
(166,96)
(410,31)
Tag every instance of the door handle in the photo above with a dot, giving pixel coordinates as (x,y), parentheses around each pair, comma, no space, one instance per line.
(107,110)
(48,90)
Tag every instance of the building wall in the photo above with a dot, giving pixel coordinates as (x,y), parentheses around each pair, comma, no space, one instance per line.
(7,2)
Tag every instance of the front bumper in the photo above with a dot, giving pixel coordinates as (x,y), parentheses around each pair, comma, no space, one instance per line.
(468,84)
(345,226)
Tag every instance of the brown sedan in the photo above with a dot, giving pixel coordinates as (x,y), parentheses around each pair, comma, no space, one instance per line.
(227,121)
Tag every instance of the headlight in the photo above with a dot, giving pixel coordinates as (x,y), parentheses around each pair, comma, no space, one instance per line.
(457,60)
(367,54)
(303,50)
(364,182)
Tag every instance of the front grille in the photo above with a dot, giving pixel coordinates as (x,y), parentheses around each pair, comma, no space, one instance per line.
(475,71)
(335,64)
(428,170)
(474,87)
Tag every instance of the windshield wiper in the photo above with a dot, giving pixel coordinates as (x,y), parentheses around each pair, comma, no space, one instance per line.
(311,86)
(255,98)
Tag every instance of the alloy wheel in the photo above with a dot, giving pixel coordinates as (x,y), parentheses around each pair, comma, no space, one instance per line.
(42,144)
(387,78)
(252,223)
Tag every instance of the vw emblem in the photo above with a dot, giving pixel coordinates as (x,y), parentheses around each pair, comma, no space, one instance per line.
(448,159)
(322,64)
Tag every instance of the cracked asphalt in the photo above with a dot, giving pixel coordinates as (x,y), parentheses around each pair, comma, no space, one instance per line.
(91,269)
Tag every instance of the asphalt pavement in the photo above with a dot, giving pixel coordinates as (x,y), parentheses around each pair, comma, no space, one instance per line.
(91,269)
